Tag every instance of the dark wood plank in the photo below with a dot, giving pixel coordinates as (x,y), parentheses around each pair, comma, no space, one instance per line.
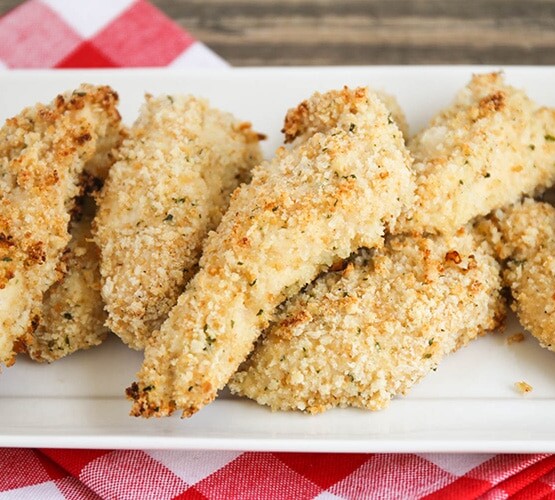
(292,32)
(6,5)
(250,32)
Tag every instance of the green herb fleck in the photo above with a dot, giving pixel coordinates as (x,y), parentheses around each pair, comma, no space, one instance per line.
(178,200)
(68,315)
(461,182)
(6,259)
(549,137)
(274,209)
(431,341)
(253,282)
(168,218)
(67,340)
(148,388)
(170,98)
(232,323)
(487,175)
(532,146)
(352,127)
(209,340)
(378,346)
(260,312)
(239,263)
(428,355)
(389,119)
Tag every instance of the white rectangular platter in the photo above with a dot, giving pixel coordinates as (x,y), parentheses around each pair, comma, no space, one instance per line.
(468,405)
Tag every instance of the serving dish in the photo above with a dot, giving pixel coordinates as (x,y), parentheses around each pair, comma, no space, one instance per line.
(468,405)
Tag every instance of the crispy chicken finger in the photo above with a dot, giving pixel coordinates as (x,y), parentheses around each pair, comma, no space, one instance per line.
(322,111)
(170,187)
(43,152)
(332,193)
(72,317)
(484,151)
(360,336)
(525,237)
(73,313)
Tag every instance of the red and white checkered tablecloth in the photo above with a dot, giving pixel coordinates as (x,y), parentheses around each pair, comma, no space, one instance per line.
(124,33)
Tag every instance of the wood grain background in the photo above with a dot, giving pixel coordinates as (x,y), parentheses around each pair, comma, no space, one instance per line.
(293,32)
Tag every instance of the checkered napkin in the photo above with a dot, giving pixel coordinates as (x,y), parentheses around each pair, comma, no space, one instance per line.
(97,34)
(118,33)
(77,474)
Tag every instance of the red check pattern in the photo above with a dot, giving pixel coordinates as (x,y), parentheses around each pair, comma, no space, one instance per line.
(118,33)
(84,474)
(113,33)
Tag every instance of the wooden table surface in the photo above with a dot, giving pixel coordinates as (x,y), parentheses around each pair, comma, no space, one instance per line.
(295,32)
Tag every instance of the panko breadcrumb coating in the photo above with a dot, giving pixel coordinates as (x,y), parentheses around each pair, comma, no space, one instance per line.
(526,239)
(321,111)
(72,317)
(170,187)
(332,193)
(43,152)
(486,150)
(73,313)
(360,336)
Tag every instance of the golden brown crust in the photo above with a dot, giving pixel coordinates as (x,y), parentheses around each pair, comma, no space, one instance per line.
(312,205)
(361,336)
(524,236)
(322,112)
(72,316)
(42,154)
(484,151)
(182,160)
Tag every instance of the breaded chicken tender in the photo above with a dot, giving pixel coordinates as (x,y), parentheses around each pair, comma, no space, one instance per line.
(72,316)
(360,336)
(486,150)
(43,152)
(321,111)
(334,192)
(526,239)
(170,187)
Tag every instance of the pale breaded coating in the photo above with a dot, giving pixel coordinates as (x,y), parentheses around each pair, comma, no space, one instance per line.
(319,201)
(526,239)
(72,316)
(43,152)
(169,188)
(322,111)
(486,150)
(360,336)
(396,112)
